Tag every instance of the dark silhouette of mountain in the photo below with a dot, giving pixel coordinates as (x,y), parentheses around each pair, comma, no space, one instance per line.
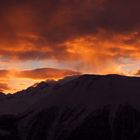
(85,107)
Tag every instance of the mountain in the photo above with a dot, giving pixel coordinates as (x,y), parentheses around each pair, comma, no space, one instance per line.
(84,107)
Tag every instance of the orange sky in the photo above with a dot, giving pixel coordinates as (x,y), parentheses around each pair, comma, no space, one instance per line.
(15,80)
(85,36)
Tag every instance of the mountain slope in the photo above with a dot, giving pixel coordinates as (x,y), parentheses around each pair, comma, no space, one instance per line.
(84,107)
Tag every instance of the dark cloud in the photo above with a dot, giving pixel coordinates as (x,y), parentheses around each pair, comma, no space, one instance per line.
(60,20)
(48,29)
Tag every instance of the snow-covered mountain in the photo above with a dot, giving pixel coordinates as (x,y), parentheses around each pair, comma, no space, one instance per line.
(85,107)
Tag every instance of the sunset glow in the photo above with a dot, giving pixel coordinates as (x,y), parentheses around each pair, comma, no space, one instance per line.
(44,39)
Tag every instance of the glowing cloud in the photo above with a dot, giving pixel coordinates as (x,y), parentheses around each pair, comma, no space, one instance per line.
(90,36)
(14,80)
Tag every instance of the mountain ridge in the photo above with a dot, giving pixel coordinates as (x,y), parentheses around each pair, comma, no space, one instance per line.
(84,107)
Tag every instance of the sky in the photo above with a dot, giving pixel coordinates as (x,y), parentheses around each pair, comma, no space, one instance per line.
(43,39)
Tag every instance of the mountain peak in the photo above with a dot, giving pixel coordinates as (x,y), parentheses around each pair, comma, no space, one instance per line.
(78,107)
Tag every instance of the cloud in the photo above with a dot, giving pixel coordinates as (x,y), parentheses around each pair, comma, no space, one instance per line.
(45,73)
(61,20)
(4,73)
(4,87)
(98,34)
(15,80)
(137,73)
